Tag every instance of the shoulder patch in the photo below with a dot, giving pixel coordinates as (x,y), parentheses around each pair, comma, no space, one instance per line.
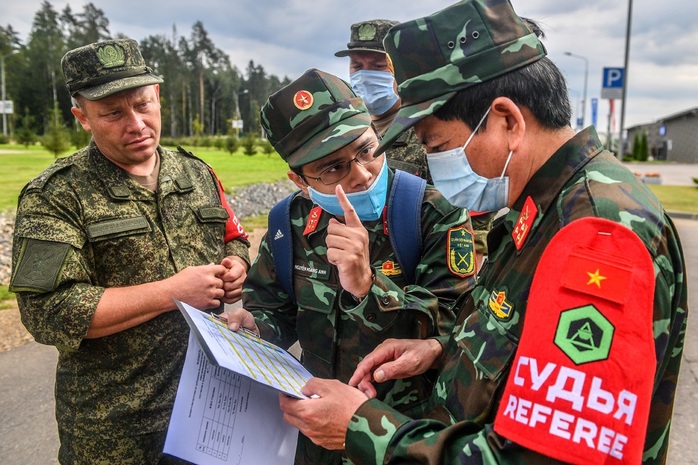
(580,386)
(40,262)
(460,252)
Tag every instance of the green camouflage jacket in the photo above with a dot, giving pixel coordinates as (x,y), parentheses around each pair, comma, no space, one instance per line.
(82,226)
(334,331)
(580,180)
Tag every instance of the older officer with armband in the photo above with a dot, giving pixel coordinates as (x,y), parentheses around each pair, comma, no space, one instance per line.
(569,347)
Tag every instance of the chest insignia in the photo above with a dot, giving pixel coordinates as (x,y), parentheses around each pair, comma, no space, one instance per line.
(390,268)
(499,305)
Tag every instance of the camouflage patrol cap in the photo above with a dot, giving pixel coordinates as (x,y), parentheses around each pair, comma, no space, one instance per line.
(458,47)
(104,68)
(312,117)
(367,36)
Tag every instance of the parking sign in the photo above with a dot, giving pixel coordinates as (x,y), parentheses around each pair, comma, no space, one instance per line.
(612,86)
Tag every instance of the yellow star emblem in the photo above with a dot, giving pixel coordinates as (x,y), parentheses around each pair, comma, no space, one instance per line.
(595,278)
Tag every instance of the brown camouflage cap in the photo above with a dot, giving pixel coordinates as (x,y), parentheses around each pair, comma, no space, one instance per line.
(104,68)
(367,36)
(458,47)
(312,117)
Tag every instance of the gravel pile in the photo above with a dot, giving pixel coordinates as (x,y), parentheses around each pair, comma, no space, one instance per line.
(7,224)
(246,201)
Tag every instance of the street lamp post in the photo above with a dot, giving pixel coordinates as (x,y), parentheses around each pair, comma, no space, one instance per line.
(2,91)
(2,78)
(586,76)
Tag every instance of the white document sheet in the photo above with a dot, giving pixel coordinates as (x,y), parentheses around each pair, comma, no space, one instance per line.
(245,353)
(227,405)
(222,417)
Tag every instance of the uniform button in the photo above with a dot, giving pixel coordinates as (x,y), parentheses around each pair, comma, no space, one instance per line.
(371,317)
(385,300)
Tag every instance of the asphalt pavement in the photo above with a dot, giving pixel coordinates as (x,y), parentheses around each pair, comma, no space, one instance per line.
(28,433)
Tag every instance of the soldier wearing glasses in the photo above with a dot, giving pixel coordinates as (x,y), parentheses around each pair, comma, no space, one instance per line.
(350,292)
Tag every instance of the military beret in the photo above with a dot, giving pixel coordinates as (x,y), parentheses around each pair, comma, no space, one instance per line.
(367,36)
(104,68)
(312,117)
(453,49)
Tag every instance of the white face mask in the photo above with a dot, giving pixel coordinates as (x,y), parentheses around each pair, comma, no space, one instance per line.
(375,88)
(459,184)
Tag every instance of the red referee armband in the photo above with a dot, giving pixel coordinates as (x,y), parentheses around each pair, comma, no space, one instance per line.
(580,386)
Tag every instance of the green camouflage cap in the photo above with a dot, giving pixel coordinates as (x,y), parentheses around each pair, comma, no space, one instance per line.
(367,36)
(104,68)
(312,117)
(458,47)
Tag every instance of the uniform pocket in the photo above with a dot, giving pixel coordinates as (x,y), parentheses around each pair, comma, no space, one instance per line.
(487,345)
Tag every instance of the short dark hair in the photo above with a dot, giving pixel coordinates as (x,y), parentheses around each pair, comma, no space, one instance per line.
(540,87)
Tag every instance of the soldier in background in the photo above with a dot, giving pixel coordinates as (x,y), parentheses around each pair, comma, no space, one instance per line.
(349,290)
(568,348)
(103,241)
(372,77)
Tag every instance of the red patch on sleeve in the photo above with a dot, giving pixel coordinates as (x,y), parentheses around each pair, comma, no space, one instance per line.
(580,386)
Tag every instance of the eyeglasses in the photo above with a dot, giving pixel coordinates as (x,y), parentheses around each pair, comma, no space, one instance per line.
(340,170)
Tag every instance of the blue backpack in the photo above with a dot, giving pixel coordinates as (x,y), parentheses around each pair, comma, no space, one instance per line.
(404,209)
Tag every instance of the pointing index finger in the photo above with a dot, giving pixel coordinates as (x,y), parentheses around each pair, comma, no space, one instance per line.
(350,216)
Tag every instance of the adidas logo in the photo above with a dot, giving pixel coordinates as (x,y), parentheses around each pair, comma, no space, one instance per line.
(278,235)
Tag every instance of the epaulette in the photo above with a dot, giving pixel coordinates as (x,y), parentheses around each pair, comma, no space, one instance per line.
(189,154)
(59,165)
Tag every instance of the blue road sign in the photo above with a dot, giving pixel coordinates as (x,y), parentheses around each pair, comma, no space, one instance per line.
(612,86)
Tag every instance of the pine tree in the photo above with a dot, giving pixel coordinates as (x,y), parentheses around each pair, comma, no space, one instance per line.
(56,140)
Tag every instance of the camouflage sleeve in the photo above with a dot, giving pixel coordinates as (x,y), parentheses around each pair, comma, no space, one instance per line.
(239,248)
(271,306)
(51,273)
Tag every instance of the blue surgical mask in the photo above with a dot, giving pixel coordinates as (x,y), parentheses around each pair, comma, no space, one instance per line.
(368,204)
(376,90)
(459,184)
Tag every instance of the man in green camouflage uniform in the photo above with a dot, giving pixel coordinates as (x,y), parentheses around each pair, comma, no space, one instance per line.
(104,240)
(542,365)
(372,79)
(350,292)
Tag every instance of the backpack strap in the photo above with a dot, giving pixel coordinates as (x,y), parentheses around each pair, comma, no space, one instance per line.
(405,209)
(280,242)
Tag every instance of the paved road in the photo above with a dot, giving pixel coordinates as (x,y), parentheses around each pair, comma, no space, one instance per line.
(28,428)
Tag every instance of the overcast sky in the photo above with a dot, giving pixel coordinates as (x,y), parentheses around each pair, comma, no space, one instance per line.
(289,36)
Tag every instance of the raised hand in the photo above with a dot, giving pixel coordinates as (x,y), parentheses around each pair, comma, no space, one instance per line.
(347,249)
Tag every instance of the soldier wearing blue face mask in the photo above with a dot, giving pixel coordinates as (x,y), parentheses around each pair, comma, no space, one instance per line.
(371,77)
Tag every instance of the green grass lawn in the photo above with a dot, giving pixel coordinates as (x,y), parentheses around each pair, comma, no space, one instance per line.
(677,198)
(20,164)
